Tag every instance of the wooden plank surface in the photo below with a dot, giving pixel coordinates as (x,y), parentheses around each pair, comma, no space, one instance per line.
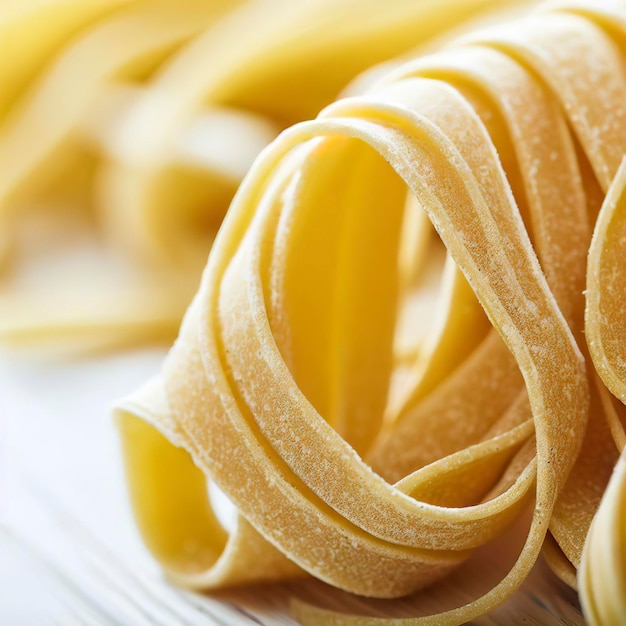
(69,553)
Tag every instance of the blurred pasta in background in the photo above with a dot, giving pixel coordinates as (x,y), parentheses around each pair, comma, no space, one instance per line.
(127,125)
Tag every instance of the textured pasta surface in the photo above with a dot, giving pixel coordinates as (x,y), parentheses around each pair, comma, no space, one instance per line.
(410,330)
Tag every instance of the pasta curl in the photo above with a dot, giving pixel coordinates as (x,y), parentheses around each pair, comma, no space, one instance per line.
(378,460)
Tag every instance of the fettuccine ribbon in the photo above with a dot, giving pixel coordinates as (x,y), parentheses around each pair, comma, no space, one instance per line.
(278,387)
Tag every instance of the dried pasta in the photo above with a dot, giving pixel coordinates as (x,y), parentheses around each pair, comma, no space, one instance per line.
(378,461)
(411,328)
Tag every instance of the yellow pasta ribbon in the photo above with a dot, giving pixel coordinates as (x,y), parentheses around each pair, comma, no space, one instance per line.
(372,461)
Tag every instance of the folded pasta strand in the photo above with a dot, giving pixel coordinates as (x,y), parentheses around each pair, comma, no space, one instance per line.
(279,388)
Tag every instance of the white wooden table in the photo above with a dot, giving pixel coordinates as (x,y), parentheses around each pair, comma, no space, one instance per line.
(69,553)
